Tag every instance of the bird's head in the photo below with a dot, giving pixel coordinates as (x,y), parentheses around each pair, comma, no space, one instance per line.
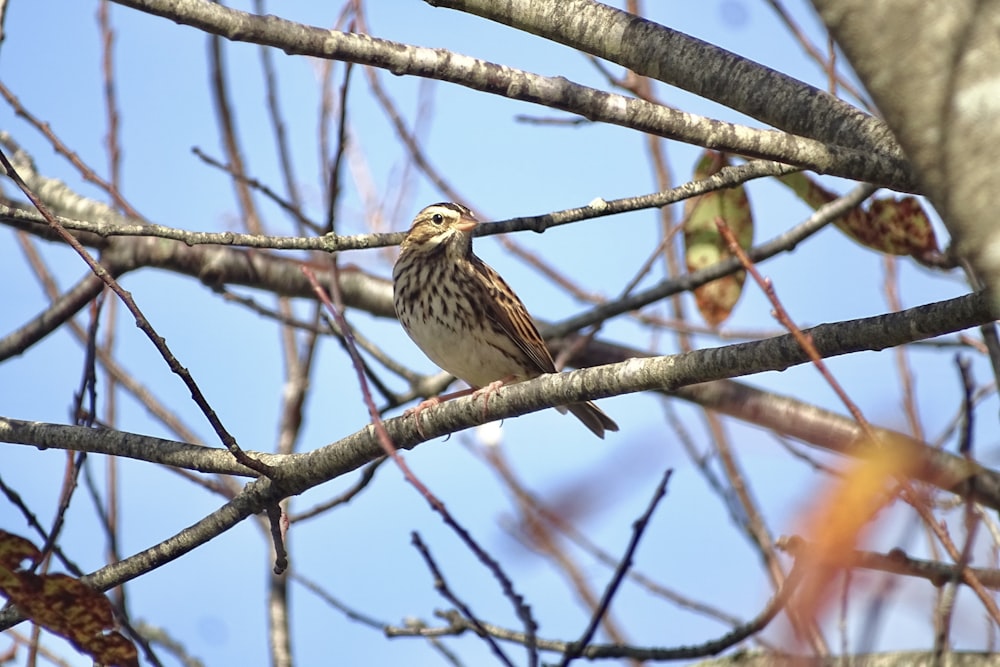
(440,227)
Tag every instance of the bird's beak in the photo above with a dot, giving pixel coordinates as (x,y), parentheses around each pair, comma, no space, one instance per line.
(466,224)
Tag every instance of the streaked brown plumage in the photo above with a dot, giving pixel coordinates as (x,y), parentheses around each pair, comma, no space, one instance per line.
(462,314)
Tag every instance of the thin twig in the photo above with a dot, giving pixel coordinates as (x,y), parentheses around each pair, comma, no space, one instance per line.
(458,625)
(535,516)
(367,475)
(638,528)
(324,595)
(336,309)
(289,207)
(727,177)
(896,561)
(946,607)
(278,124)
(804,341)
(442,587)
(278,522)
(968,406)
(88,174)
(891,288)
(71,478)
(909,495)
(823,216)
(814,53)
(227,128)
(15,499)
(333,194)
(161,345)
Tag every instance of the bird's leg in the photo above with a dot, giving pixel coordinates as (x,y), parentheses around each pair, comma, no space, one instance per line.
(431,402)
(484,392)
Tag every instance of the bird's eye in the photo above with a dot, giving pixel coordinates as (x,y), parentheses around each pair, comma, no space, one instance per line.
(437,218)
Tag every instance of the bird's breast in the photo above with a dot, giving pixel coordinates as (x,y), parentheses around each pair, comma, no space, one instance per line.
(442,309)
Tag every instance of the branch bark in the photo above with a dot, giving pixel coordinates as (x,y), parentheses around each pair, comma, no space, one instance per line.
(653,50)
(554,92)
(942,102)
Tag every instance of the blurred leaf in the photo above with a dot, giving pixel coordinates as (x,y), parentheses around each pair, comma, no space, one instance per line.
(705,246)
(14,550)
(840,517)
(62,605)
(893,225)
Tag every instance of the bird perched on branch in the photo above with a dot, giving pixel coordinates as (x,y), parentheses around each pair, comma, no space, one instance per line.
(464,317)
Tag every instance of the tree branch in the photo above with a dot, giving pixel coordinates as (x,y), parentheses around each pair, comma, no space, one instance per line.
(672,374)
(653,50)
(554,92)
(943,106)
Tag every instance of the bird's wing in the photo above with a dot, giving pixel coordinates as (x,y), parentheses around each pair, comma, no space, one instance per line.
(505,309)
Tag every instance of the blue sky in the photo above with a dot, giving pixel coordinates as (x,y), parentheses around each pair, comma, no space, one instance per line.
(212,599)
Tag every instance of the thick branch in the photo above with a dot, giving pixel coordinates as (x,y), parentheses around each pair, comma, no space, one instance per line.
(943,104)
(672,374)
(216,266)
(554,92)
(212,460)
(704,69)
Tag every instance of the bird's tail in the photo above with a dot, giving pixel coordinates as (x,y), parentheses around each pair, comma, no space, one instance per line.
(592,417)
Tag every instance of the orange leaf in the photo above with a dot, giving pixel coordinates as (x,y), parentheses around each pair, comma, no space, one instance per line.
(839,519)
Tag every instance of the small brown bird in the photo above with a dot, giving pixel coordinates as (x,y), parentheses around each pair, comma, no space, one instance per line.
(462,314)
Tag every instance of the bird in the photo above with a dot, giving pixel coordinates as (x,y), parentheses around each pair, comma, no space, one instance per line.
(465,317)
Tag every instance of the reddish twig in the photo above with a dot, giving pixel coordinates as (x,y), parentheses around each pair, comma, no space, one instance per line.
(891,288)
(140,320)
(61,148)
(909,494)
(823,216)
(278,121)
(110,96)
(828,65)
(70,479)
(120,376)
(230,141)
(335,308)
(804,340)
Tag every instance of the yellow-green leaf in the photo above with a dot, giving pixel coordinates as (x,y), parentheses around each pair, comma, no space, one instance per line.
(705,246)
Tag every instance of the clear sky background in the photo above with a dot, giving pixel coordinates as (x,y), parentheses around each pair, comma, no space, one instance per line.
(212,599)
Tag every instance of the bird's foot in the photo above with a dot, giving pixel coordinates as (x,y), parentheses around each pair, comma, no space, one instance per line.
(489,390)
(420,407)
(430,403)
